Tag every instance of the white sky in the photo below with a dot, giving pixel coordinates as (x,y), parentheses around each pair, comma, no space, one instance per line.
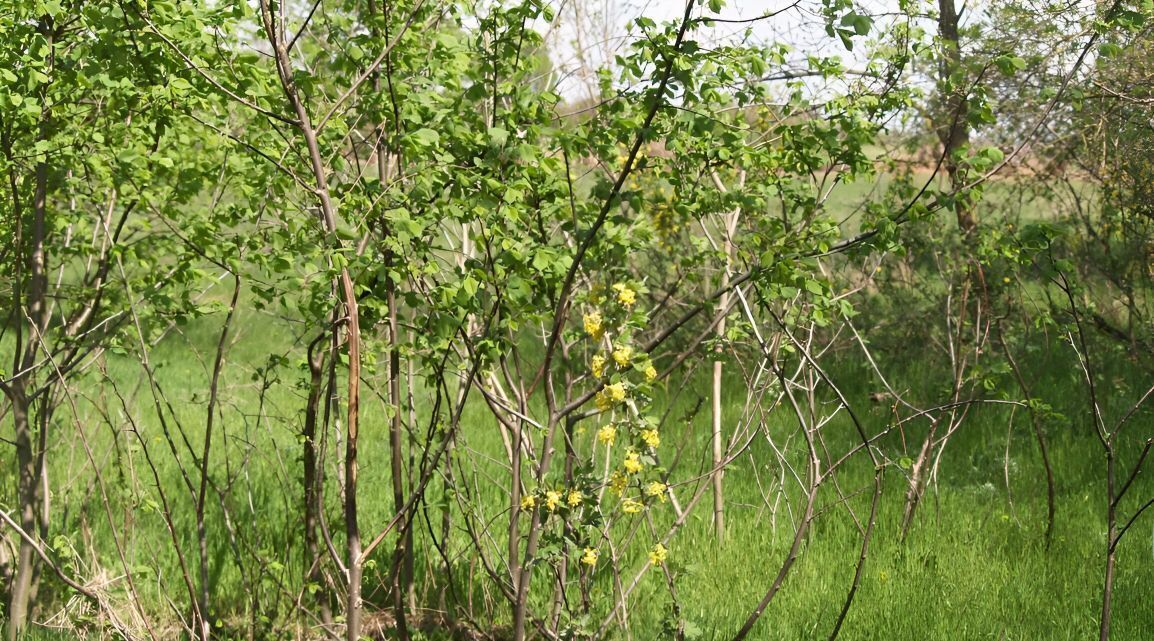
(605,32)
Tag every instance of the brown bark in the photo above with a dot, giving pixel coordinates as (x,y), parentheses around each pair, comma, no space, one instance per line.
(349,312)
(20,592)
(402,570)
(1111,543)
(205,458)
(33,312)
(953,129)
(729,229)
(402,554)
(312,505)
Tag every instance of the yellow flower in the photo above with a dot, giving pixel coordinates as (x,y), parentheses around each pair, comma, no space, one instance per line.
(616,391)
(552,500)
(625,296)
(598,366)
(593,324)
(651,437)
(658,489)
(658,555)
(629,506)
(617,482)
(528,502)
(589,557)
(621,356)
(633,463)
(610,396)
(603,401)
(607,434)
(574,499)
(650,372)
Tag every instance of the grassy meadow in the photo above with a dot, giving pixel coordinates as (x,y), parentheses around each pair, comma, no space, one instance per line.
(974,566)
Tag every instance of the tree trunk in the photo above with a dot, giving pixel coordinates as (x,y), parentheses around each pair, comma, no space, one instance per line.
(28,491)
(729,228)
(403,554)
(29,462)
(917,481)
(347,309)
(312,556)
(953,128)
(1111,542)
(718,441)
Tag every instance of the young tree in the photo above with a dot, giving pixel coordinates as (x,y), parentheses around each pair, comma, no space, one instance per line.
(88,127)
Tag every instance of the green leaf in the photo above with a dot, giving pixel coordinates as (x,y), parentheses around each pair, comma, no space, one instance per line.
(1009,64)
(859,23)
(1109,50)
(425,137)
(470,286)
(498,136)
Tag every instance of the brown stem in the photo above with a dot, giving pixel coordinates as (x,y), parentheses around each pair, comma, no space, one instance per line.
(403,555)
(351,314)
(783,571)
(956,135)
(157,395)
(205,458)
(1039,435)
(312,506)
(20,592)
(590,235)
(1111,538)
(860,567)
(29,481)
(1106,438)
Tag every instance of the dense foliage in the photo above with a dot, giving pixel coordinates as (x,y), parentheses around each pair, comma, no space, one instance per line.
(354,319)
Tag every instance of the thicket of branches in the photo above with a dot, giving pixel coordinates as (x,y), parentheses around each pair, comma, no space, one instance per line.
(517,305)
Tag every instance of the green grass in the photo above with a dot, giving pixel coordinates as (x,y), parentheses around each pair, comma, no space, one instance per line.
(974,567)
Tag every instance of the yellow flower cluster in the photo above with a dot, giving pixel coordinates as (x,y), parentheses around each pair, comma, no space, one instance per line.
(621,355)
(625,296)
(616,391)
(650,372)
(610,396)
(593,325)
(658,555)
(633,463)
(617,483)
(602,401)
(629,506)
(651,437)
(607,434)
(589,556)
(552,500)
(657,489)
(598,366)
